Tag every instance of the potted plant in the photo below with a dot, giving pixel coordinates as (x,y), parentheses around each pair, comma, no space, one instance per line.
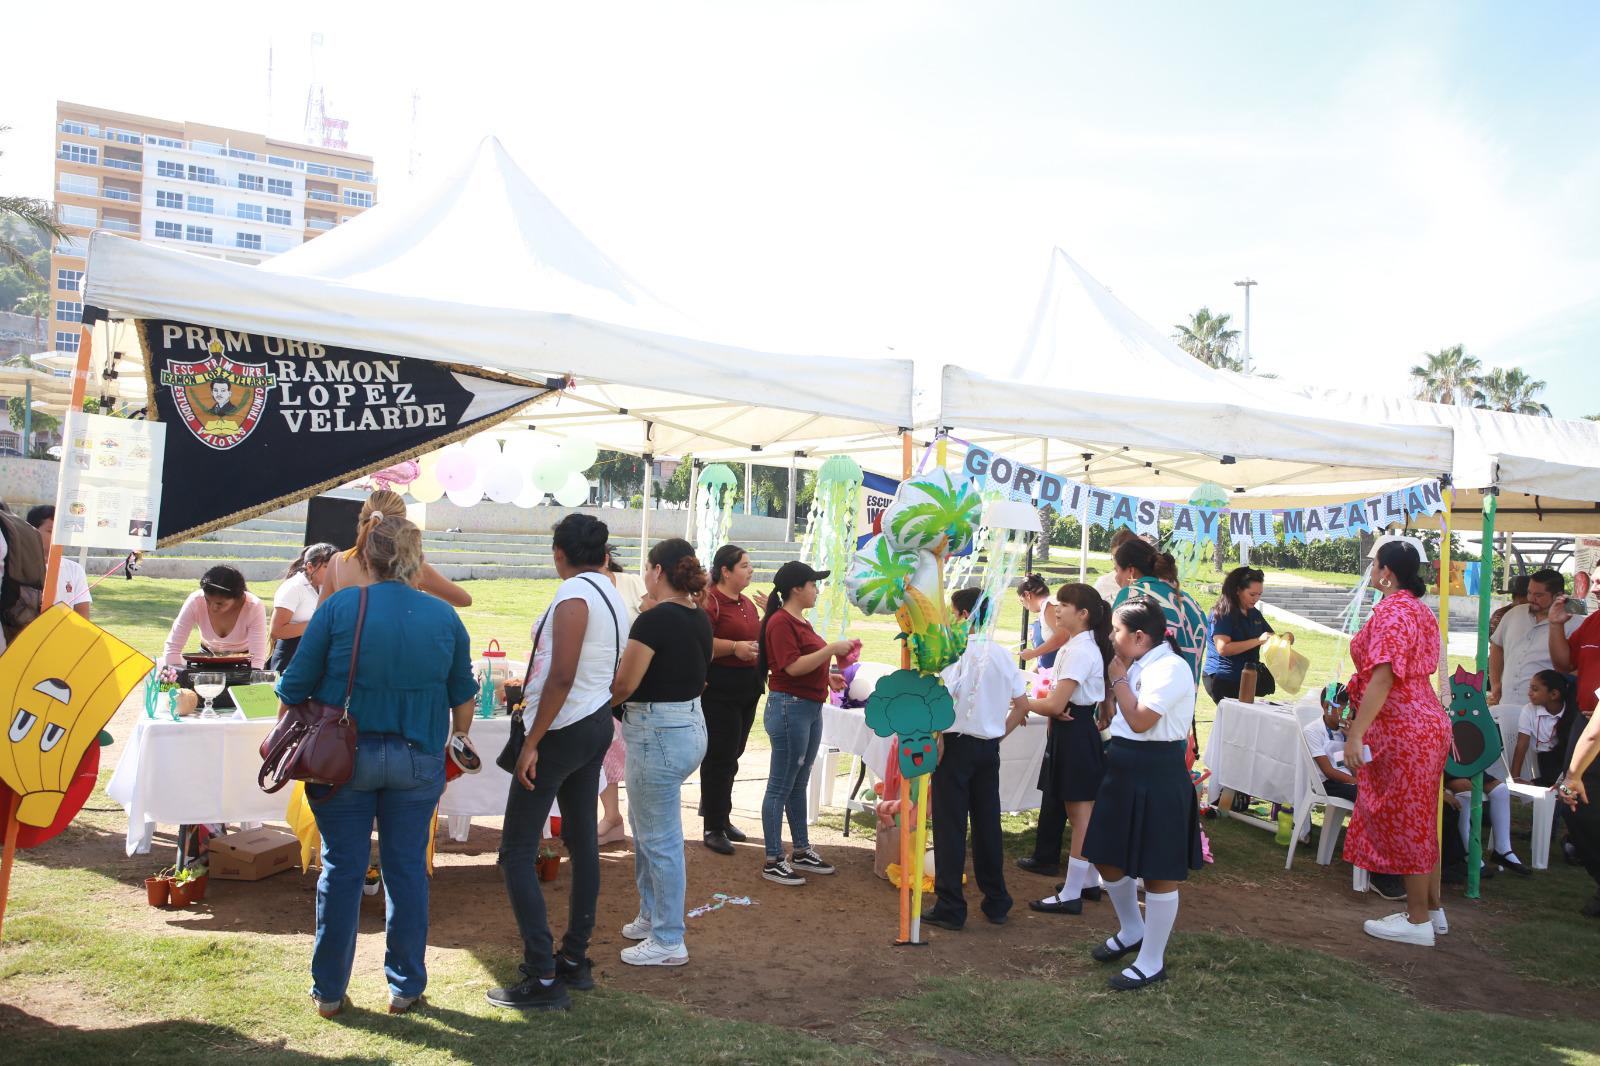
(189,885)
(549,862)
(158,888)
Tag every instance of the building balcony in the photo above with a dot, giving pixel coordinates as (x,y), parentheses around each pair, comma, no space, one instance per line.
(325,197)
(319,224)
(120,164)
(125,195)
(120,225)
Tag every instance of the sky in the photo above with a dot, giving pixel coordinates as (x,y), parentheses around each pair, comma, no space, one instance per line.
(890,178)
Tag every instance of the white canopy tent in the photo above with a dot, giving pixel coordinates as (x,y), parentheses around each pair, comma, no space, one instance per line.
(1114,401)
(481,268)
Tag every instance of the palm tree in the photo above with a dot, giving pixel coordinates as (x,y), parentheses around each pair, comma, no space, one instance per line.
(31,212)
(37,304)
(1208,338)
(1449,376)
(1512,390)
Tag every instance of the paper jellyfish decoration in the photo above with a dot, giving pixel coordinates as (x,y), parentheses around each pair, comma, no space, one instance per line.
(1008,527)
(931,511)
(830,541)
(713,516)
(913,707)
(1475,741)
(1192,555)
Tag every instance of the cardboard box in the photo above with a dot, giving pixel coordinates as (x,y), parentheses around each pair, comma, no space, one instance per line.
(254,854)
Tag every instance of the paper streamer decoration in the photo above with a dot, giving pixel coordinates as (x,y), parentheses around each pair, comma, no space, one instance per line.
(830,542)
(714,510)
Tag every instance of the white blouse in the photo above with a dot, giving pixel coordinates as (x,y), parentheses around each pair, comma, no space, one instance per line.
(1079,660)
(1162,682)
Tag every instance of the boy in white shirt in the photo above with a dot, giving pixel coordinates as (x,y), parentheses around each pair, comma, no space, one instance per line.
(987,689)
(72,584)
(1325,738)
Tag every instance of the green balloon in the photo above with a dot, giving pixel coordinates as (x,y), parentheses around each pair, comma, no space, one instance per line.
(550,473)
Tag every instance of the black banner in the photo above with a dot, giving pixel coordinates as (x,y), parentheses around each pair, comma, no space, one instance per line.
(255,423)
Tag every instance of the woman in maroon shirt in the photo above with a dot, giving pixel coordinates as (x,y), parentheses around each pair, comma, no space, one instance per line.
(797,685)
(733,689)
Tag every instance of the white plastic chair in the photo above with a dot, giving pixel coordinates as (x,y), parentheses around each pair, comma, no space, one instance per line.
(1543,800)
(1334,809)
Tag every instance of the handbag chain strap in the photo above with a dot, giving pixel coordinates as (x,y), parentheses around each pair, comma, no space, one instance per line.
(355,653)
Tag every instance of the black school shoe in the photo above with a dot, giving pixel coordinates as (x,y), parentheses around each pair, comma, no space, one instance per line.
(1105,952)
(1510,864)
(1053,905)
(734,833)
(718,841)
(578,976)
(939,921)
(1119,983)
(531,994)
(1034,866)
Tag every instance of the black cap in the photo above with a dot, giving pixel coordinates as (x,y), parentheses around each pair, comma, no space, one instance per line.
(792,575)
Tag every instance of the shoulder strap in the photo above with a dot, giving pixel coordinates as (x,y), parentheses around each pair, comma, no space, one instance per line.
(616,623)
(355,648)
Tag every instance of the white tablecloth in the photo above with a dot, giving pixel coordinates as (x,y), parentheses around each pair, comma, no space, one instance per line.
(1255,748)
(204,770)
(1021,753)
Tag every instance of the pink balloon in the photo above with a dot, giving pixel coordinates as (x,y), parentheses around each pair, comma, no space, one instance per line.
(457,471)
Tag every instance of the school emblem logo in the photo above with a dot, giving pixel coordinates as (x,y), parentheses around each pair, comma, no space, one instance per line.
(220,399)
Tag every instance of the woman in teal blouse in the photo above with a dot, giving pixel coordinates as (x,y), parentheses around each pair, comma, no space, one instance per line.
(413,674)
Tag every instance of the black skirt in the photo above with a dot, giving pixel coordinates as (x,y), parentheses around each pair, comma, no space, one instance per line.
(1146,818)
(1074,758)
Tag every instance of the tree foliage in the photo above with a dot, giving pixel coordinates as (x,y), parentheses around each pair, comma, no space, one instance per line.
(1207,337)
(1448,376)
(1511,390)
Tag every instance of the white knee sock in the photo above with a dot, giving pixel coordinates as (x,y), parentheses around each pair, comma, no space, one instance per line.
(1092,879)
(1464,818)
(1500,820)
(1125,898)
(1078,871)
(1160,913)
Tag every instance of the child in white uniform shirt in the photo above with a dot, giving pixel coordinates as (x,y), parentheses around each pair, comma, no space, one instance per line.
(987,689)
(1074,756)
(1146,818)
(1546,724)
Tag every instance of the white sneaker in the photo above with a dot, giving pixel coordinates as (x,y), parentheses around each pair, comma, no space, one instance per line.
(1441,924)
(653,952)
(1399,928)
(638,929)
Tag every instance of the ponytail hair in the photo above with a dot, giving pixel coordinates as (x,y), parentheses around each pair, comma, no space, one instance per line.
(1142,614)
(1166,568)
(1033,585)
(384,503)
(675,556)
(1085,598)
(1400,558)
(311,555)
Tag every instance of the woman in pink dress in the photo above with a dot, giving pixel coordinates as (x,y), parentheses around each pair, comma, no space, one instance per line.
(1401,722)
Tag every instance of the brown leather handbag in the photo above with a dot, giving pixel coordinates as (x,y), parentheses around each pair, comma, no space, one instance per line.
(314,741)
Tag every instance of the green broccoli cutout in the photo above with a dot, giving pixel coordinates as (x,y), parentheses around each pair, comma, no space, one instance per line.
(913,707)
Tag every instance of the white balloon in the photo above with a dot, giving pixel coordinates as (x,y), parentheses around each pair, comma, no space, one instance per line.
(503,480)
(575,493)
(866,679)
(484,447)
(465,498)
(525,446)
(426,487)
(550,473)
(579,452)
(528,495)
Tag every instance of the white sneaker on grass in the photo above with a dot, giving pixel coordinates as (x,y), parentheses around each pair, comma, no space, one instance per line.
(1399,928)
(638,929)
(653,952)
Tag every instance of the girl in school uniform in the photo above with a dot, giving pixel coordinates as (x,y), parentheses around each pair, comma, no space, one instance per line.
(1146,817)
(1074,757)
(1546,723)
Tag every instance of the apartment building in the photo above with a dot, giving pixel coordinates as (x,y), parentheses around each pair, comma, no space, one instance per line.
(239,196)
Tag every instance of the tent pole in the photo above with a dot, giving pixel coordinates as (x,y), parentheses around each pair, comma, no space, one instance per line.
(689,523)
(749,477)
(1444,596)
(1083,540)
(644,513)
(907,807)
(1491,503)
(788,523)
(80,379)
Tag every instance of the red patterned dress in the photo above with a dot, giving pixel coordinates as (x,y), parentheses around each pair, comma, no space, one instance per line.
(1395,829)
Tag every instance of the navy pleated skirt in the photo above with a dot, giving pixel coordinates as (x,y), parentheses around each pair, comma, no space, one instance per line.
(1146,818)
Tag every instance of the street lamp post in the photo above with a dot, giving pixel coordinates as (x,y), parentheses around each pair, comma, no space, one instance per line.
(1245,285)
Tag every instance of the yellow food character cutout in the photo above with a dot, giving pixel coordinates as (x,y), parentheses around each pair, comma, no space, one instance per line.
(61,680)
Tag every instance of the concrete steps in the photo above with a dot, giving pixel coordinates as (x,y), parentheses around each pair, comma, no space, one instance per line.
(263,548)
(1326,603)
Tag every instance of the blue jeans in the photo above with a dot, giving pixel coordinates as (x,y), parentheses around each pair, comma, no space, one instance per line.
(400,786)
(666,742)
(795,727)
